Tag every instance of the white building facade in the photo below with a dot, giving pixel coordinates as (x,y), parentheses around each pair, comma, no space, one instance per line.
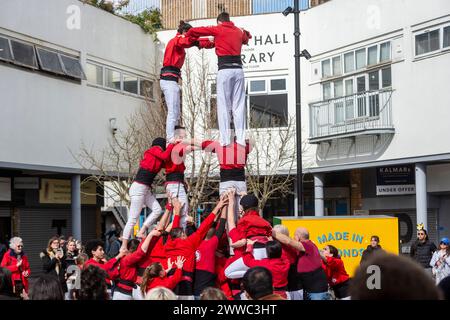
(374,105)
(70,73)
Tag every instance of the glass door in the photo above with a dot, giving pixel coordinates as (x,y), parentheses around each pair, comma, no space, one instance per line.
(339,112)
(361,96)
(349,97)
(374,98)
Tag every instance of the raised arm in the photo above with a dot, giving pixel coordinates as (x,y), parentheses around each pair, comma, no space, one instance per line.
(162,155)
(288,241)
(202,32)
(201,232)
(230,211)
(246,36)
(205,43)
(222,222)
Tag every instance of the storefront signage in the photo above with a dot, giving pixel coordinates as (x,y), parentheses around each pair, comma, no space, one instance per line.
(58,191)
(5,189)
(396,180)
(26,183)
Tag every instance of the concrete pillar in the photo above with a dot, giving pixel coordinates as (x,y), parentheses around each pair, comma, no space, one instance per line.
(76,207)
(421,194)
(319,208)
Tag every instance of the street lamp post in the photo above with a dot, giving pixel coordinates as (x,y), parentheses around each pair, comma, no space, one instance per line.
(298,116)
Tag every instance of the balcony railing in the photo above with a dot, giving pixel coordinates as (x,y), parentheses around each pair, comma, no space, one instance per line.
(368,112)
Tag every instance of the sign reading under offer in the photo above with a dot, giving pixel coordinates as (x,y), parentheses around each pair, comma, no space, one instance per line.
(396,180)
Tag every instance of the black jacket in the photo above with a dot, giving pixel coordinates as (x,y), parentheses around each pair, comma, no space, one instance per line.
(423,252)
(49,266)
(369,251)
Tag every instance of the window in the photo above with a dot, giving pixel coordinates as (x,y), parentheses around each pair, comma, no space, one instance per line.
(349,62)
(278,84)
(446,37)
(5,50)
(258,86)
(24,54)
(94,74)
(326,91)
(72,67)
(374,99)
(49,61)
(361,99)
(267,111)
(213,123)
(385,51)
(326,68)
(146,89)
(112,79)
(427,42)
(338,89)
(372,55)
(213,88)
(386,78)
(349,105)
(337,69)
(360,58)
(339,112)
(130,83)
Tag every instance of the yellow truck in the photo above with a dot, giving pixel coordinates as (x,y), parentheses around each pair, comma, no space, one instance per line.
(349,234)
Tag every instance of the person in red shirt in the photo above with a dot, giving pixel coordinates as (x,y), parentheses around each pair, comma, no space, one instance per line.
(126,288)
(17,263)
(228,41)
(140,190)
(205,256)
(174,57)
(295,290)
(174,166)
(181,245)
(158,251)
(310,274)
(338,278)
(232,160)
(96,254)
(156,276)
(275,263)
(250,226)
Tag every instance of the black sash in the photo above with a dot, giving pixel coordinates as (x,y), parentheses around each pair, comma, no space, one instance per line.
(145,177)
(232,174)
(229,62)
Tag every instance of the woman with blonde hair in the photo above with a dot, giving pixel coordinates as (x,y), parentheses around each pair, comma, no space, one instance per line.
(160,293)
(54,261)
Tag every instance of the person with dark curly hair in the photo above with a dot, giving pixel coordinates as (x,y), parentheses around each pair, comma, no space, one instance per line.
(46,287)
(96,253)
(6,287)
(386,276)
(93,284)
(337,276)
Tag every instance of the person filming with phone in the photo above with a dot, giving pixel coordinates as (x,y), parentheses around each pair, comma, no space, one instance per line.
(54,261)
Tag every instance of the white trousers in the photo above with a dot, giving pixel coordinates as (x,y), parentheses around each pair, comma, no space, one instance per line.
(295,295)
(171,91)
(136,295)
(239,186)
(177,190)
(231,100)
(237,269)
(141,195)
